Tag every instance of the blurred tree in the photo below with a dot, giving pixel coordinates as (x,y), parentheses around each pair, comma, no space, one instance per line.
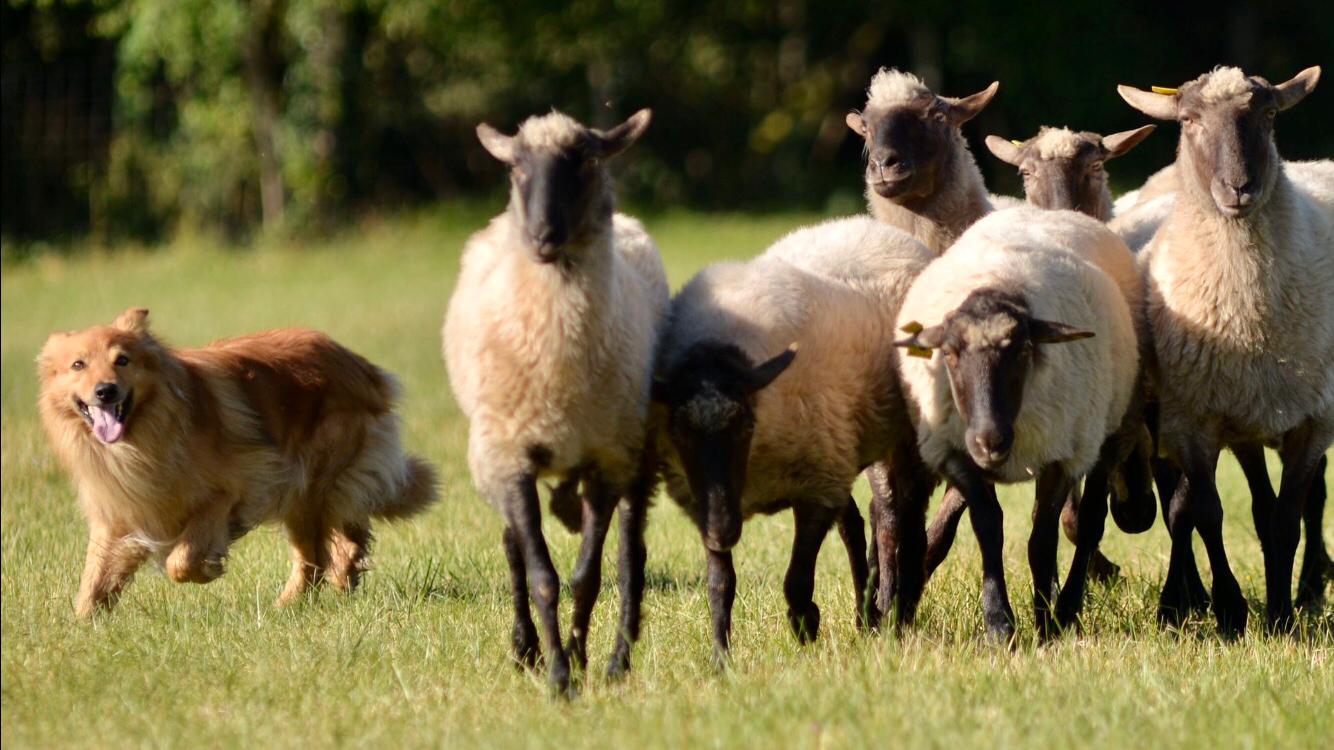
(300,113)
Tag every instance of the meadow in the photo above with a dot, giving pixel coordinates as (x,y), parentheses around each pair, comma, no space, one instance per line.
(419,656)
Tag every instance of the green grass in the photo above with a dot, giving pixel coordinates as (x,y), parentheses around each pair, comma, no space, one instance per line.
(419,656)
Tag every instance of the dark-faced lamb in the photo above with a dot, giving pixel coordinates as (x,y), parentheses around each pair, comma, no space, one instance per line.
(753,426)
(1241,308)
(1022,364)
(549,341)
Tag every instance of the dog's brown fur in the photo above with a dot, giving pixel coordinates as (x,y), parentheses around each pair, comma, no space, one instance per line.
(283,426)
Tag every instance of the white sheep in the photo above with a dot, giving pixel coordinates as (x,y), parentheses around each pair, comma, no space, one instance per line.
(740,439)
(549,341)
(1241,304)
(1003,402)
(920,175)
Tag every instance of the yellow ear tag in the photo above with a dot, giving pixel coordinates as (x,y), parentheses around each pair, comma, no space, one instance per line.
(919,351)
(1163,90)
(1017,143)
(913,327)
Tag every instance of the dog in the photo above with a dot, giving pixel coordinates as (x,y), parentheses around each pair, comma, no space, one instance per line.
(178,453)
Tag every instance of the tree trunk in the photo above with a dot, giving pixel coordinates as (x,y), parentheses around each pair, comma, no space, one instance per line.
(264,71)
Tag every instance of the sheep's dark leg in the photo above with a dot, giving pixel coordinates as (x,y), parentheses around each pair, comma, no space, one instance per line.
(984,512)
(1183,589)
(1251,458)
(1316,564)
(527,651)
(851,529)
(1099,567)
(812,525)
(722,593)
(940,537)
(913,483)
(882,540)
(1092,522)
(633,556)
(525,518)
(1053,488)
(1206,509)
(879,502)
(599,503)
(1302,451)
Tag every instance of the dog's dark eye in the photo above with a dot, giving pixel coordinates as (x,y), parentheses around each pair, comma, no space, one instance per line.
(122,360)
(78,365)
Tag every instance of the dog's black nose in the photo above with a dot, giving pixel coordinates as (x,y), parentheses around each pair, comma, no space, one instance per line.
(106,392)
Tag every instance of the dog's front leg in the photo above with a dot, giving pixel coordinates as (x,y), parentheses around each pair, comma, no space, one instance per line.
(111,562)
(200,552)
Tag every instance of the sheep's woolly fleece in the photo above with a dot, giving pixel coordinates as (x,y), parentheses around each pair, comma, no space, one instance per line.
(1077,392)
(1222,84)
(890,87)
(838,406)
(1057,143)
(558,358)
(554,131)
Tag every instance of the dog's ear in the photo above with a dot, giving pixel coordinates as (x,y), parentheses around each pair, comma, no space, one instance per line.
(44,357)
(134,320)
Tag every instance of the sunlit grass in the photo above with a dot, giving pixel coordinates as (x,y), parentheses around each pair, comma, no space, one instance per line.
(419,655)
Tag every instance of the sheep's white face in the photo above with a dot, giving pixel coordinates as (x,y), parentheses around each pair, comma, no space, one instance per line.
(560,188)
(1227,132)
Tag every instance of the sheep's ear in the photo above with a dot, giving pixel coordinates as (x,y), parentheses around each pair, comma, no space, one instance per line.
(496,143)
(856,123)
(1050,332)
(921,341)
(134,320)
(1293,91)
(765,372)
(621,137)
(964,109)
(1155,105)
(1006,151)
(1118,144)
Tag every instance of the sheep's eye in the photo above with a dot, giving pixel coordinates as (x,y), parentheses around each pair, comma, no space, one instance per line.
(1025,173)
(122,360)
(1096,166)
(1271,113)
(78,365)
(939,116)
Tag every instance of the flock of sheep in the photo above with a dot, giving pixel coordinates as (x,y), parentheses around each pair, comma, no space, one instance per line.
(1096,350)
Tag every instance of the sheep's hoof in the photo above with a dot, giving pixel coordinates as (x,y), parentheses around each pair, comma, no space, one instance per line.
(1000,631)
(619,666)
(1311,584)
(527,651)
(1103,570)
(805,622)
(559,679)
(578,651)
(1231,611)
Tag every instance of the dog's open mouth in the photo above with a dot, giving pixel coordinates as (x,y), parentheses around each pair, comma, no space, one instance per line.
(108,422)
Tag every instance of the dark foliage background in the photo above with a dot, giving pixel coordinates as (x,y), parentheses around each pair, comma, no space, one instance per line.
(131,118)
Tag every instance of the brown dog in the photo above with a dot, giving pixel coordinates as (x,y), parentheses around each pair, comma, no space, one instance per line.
(178,453)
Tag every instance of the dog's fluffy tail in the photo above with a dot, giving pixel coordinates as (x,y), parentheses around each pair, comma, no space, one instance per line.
(418,490)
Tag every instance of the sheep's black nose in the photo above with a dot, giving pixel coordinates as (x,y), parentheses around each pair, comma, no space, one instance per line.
(106,392)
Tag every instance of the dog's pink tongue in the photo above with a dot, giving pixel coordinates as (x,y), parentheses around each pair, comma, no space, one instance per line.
(105,425)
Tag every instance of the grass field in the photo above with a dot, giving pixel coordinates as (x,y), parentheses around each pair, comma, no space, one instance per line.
(419,656)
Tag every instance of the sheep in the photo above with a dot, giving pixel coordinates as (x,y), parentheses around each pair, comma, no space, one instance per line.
(1241,304)
(1004,403)
(920,175)
(549,343)
(1064,169)
(751,426)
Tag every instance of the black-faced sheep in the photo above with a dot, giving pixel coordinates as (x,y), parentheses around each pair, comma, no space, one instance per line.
(549,342)
(1015,392)
(920,175)
(1241,306)
(754,427)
